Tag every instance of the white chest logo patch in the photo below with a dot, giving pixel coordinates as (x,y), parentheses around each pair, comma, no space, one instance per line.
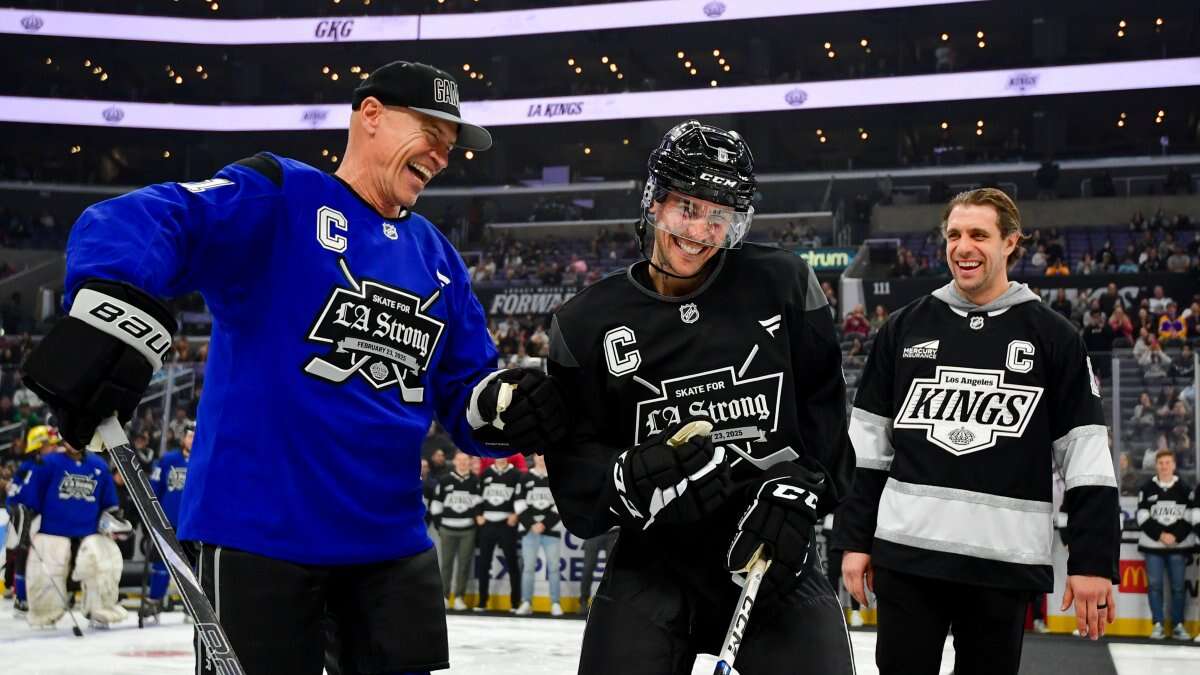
(689,313)
(976,322)
(389,231)
(964,410)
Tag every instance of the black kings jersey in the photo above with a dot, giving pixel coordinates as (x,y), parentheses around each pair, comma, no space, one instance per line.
(959,421)
(753,349)
(1164,507)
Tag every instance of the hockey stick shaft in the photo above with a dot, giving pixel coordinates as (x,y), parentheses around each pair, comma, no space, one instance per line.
(61,595)
(741,615)
(158,528)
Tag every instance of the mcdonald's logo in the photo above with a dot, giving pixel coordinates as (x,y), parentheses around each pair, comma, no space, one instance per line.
(1133,576)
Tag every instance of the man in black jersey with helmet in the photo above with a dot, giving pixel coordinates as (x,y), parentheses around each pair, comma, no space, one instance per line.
(709,418)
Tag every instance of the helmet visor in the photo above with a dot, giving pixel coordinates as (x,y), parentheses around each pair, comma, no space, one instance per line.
(699,221)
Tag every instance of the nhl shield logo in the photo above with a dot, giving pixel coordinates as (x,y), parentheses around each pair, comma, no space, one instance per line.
(389,231)
(689,313)
(976,322)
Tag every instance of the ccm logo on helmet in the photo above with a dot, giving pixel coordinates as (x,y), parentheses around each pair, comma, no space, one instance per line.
(718,180)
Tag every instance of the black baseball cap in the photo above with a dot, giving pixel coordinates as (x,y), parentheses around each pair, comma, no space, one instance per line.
(427,90)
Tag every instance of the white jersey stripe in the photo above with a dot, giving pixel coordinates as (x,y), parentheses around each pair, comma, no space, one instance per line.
(871,436)
(966,522)
(1084,458)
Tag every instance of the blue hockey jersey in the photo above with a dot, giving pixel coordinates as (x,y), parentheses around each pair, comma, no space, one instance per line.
(167,480)
(69,494)
(338,335)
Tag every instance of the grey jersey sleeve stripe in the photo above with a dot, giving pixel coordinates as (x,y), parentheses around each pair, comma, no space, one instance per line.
(1084,458)
(871,436)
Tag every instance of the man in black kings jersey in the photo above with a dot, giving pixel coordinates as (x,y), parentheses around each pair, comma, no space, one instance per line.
(971,397)
(739,336)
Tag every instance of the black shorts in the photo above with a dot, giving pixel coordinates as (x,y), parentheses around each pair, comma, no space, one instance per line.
(646,620)
(386,617)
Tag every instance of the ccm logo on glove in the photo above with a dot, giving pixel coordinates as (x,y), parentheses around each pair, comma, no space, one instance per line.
(795,492)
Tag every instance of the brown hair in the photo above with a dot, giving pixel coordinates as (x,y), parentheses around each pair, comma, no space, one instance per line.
(1164,452)
(1009,216)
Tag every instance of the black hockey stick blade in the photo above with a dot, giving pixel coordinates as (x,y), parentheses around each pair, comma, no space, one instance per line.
(158,528)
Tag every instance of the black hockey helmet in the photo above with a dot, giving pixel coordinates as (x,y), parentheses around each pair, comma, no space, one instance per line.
(703,161)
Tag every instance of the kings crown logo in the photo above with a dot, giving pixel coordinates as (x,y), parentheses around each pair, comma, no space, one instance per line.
(379,332)
(964,410)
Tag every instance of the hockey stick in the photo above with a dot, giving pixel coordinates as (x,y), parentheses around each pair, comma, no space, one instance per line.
(220,652)
(757,568)
(61,596)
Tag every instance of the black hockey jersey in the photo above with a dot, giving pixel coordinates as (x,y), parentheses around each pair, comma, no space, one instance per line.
(535,503)
(499,492)
(1164,507)
(961,416)
(455,502)
(753,349)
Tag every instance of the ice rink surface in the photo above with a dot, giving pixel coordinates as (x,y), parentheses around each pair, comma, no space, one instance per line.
(479,645)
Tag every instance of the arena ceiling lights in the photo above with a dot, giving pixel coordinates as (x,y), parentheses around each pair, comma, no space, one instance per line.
(421,27)
(1058,80)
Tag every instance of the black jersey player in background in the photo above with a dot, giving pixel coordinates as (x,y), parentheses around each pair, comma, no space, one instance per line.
(740,335)
(969,397)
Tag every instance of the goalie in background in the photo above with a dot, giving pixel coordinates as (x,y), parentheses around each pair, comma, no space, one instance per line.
(75,495)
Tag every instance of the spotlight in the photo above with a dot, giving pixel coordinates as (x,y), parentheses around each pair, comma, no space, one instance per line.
(832,54)
(178,79)
(603,59)
(692,71)
(466,67)
(166,154)
(828,45)
(979,123)
(570,62)
(716,52)
(726,68)
(470,154)
(823,139)
(687,64)
(944,125)
(578,70)
(587,150)
(864,135)
(979,34)
(979,132)
(863,42)
(712,83)
(945,36)
(612,67)
(679,55)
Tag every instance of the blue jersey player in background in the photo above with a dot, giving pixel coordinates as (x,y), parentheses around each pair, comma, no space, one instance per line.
(71,491)
(343,324)
(40,441)
(167,479)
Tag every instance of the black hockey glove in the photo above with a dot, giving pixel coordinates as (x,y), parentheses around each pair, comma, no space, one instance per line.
(780,518)
(100,358)
(675,477)
(521,407)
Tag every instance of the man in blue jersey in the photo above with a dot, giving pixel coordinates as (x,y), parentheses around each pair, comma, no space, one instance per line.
(343,324)
(167,479)
(41,440)
(75,495)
